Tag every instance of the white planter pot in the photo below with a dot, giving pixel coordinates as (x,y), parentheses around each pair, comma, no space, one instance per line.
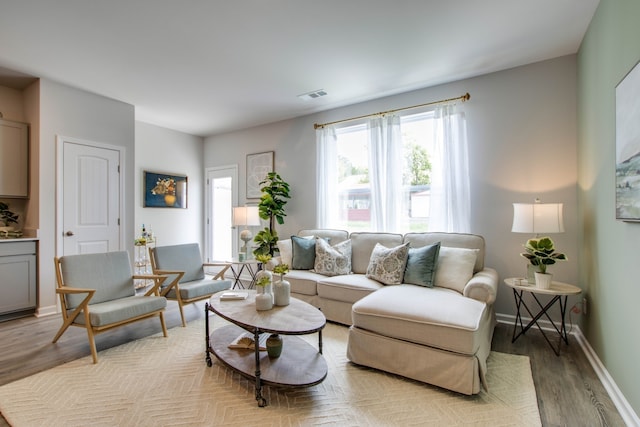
(543,280)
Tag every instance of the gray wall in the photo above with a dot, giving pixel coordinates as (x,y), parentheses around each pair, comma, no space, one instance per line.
(164,150)
(522,137)
(608,248)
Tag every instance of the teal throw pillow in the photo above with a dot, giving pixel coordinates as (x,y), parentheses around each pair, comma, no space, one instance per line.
(304,253)
(421,265)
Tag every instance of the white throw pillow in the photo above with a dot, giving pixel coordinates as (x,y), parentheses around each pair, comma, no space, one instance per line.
(455,267)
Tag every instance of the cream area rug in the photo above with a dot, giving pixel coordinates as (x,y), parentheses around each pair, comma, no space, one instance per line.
(159,381)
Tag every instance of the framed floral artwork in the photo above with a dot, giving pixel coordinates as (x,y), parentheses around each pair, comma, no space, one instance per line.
(164,190)
(628,147)
(258,166)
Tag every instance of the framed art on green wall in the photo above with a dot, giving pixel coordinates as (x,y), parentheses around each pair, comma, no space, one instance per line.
(628,146)
(164,190)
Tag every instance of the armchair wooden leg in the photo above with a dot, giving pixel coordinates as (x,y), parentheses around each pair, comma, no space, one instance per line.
(184,322)
(92,344)
(164,326)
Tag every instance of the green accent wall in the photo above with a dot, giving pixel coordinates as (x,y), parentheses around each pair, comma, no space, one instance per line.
(609,258)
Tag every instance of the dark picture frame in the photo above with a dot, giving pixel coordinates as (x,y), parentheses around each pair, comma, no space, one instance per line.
(628,146)
(164,190)
(258,166)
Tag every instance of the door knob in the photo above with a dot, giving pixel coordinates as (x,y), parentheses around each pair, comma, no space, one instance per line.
(69,233)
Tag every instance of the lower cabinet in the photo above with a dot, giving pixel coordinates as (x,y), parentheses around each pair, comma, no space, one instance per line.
(18,285)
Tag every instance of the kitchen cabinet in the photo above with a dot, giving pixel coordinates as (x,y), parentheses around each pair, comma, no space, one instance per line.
(18,286)
(14,159)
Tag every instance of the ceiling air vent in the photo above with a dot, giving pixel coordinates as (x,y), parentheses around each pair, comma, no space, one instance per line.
(313,95)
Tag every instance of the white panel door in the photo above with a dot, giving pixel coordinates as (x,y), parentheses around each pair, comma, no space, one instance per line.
(91,199)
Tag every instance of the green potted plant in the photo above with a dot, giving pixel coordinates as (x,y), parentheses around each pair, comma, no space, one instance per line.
(7,217)
(541,253)
(275,192)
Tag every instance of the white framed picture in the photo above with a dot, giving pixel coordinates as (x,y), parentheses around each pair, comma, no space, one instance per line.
(258,166)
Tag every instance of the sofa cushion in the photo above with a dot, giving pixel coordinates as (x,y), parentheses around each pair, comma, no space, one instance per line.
(332,236)
(332,260)
(362,245)
(387,265)
(304,281)
(200,288)
(450,240)
(421,265)
(109,312)
(286,251)
(455,267)
(303,253)
(348,288)
(434,317)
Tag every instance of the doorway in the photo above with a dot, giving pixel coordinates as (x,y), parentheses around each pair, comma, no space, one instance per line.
(221,239)
(90,197)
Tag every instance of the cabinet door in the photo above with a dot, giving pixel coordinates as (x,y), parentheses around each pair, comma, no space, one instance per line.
(18,284)
(14,159)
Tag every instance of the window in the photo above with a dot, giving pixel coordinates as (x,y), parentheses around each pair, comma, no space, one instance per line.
(389,174)
(354,184)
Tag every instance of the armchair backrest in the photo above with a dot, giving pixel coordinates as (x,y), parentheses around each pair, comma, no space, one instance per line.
(108,273)
(185,257)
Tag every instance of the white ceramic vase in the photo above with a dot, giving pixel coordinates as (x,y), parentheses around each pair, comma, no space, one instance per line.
(281,292)
(543,280)
(264,297)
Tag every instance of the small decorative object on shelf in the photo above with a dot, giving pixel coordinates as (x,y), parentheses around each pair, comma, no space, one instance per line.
(541,253)
(281,288)
(264,298)
(7,217)
(274,345)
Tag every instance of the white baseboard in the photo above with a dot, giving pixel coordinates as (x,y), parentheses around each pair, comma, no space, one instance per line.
(622,405)
(46,311)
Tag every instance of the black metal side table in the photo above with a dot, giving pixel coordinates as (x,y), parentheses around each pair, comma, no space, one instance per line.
(559,291)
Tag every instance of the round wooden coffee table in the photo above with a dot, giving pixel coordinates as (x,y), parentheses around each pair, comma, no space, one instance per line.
(299,365)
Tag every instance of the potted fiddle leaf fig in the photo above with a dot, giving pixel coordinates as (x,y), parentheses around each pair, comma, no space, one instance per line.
(275,191)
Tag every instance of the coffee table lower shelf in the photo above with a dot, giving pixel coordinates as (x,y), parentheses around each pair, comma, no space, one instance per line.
(299,365)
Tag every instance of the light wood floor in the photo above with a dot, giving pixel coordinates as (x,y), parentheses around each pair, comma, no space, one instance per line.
(569,393)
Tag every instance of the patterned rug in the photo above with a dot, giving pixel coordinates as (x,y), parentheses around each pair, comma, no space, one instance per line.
(160,381)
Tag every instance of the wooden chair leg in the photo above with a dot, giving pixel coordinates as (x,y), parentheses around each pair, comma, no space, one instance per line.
(92,344)
(164,326)
(184,322)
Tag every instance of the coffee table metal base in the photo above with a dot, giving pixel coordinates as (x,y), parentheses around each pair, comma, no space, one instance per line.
(299,365)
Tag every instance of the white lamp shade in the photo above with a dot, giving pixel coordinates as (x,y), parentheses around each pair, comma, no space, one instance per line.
(537,218)
(246,215)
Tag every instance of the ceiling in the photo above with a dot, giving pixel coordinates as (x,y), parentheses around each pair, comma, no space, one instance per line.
(211,66)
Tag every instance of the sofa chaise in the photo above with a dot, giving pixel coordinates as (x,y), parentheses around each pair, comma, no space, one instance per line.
(433,326)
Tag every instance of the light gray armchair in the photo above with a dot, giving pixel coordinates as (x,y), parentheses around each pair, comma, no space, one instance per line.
(187,281)
(97,293)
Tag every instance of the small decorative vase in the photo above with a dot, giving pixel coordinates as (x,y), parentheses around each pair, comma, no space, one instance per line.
(264,297)
(274,345)
(264,300)
(281,292)
(543,280)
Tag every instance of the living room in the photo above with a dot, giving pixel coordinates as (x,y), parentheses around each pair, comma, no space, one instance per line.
(545,129)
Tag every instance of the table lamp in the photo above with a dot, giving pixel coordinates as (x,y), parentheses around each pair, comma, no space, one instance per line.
(245,216)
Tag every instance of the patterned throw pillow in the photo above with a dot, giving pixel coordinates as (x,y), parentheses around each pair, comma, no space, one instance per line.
(333,260)
(387,265)
(421,265)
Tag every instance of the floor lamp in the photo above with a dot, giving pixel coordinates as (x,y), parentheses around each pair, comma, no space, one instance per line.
(537,218)
(245,216)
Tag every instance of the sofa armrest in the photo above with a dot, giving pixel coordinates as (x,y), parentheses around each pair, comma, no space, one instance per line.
(483,286)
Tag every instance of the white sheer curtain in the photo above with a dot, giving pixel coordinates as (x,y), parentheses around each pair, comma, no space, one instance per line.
(385,173)
(450,195)
(327,207)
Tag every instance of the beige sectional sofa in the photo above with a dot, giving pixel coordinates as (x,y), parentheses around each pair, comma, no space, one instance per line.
(440,335)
